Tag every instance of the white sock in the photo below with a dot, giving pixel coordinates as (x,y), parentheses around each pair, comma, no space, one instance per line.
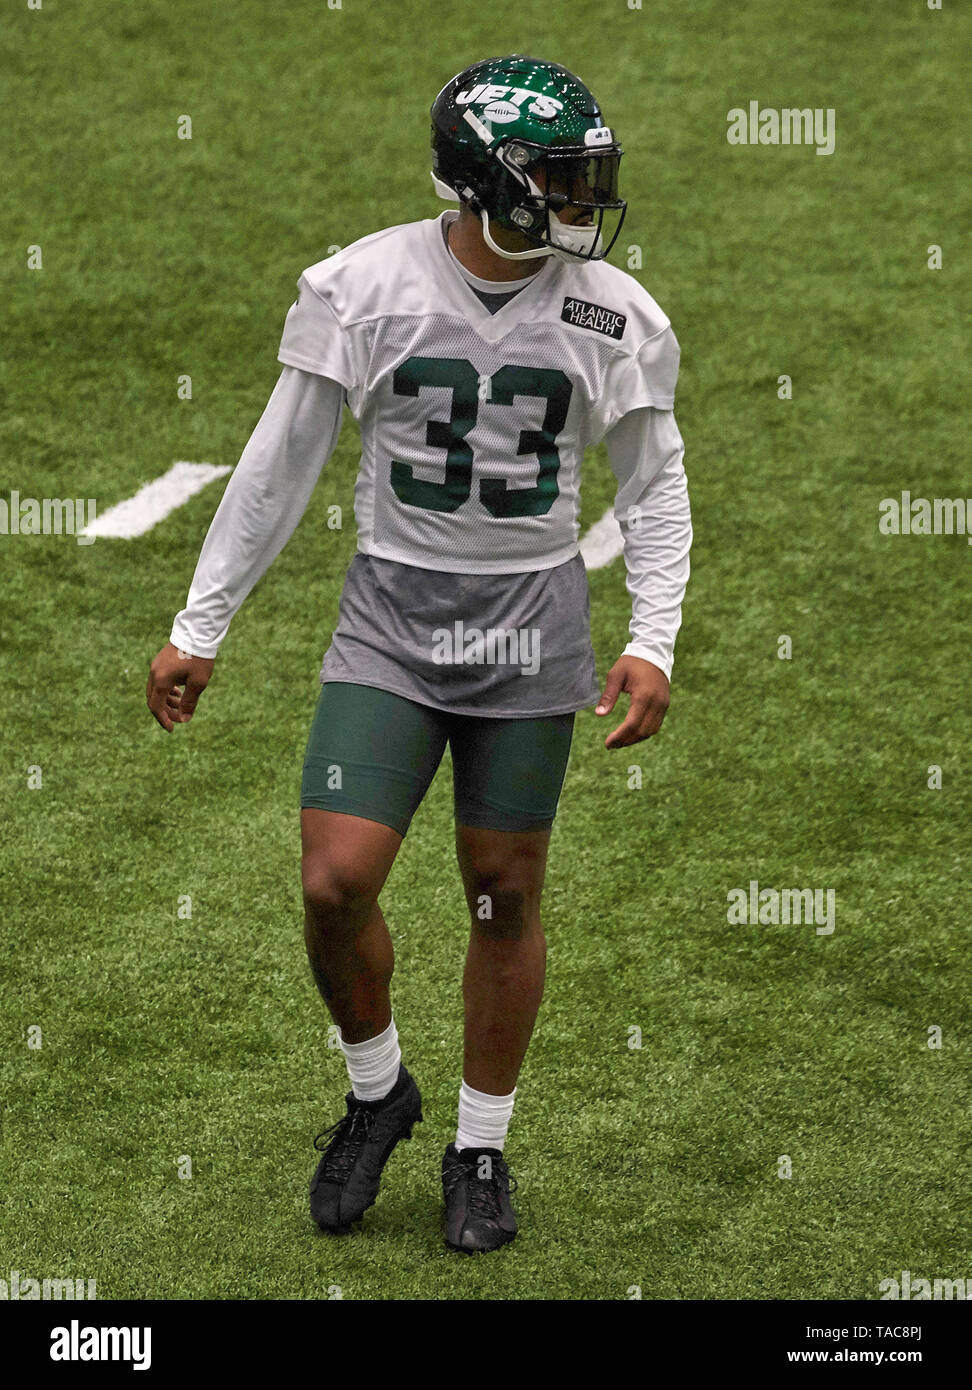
(373,1064)
(483,1119)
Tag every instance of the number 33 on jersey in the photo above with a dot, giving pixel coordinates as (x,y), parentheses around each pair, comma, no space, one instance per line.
(473,425)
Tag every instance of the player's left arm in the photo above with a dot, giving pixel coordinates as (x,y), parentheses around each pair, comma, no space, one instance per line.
(652,509)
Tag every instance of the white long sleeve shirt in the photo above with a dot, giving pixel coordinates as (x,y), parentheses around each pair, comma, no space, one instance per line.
(652,508)
(264,500)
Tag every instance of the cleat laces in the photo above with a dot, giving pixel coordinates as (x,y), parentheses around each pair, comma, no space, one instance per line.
(483,1193)
(350,1132)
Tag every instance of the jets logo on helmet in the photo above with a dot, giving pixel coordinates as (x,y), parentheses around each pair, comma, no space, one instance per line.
(522,142)
(543,106)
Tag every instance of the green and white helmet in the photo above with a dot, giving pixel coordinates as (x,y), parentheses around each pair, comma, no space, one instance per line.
(519,140)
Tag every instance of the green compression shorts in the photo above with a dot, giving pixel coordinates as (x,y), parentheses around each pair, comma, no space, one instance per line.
(373,754)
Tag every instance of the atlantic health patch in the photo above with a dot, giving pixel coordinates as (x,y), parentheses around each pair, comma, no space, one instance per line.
(584,315)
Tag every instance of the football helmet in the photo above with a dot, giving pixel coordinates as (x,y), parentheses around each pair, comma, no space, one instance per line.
(521,141)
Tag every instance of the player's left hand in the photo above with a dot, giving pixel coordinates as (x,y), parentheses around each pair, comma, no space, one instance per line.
(649,690)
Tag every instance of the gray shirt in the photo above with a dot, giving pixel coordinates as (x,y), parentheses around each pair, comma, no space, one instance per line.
(510,645)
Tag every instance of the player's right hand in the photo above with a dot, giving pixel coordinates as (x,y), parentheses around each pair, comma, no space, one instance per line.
(170,670)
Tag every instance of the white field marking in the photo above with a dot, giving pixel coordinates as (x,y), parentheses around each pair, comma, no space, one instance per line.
(153,502)
(602,543)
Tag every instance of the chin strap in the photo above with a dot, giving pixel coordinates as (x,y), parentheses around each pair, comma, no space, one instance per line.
(571,244)
(563,237)
(512,255)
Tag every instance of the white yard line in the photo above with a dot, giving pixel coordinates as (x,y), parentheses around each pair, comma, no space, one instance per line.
(153,502)
(603,542)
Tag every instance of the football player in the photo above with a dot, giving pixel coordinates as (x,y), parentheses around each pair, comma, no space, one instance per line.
(481,353)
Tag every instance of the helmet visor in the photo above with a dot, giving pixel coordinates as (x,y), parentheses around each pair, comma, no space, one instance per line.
(581,190)
(584,181)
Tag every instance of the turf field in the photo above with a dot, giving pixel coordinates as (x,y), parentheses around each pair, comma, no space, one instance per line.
(163,1036)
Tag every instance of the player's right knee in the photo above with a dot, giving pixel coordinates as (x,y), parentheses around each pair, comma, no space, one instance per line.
(336,890)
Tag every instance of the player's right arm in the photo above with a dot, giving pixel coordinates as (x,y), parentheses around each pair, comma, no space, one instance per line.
(263,502)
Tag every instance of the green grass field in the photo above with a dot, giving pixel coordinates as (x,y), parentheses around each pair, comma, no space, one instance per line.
(163,1036)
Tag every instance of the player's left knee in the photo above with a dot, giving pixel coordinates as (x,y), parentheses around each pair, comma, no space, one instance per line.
(504,907)
(503,878)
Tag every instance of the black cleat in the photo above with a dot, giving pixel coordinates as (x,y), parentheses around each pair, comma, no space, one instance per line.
(348,1176)
(477,1186)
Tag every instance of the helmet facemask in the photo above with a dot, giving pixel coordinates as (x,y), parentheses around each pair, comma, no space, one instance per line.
(569,203)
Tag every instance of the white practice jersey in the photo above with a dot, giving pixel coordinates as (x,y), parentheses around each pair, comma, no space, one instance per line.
(473,425)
